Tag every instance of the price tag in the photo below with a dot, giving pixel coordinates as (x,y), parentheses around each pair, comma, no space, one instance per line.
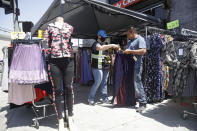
(40,34)
(17,35)
(180,51)
(134,57)
(173,24)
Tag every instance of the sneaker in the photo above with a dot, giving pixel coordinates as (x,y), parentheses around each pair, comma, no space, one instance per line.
(90,102)
(105,101)
(141,109)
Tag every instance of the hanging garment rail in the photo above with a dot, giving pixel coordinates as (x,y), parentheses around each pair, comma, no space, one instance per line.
(28,42)
(167,32)
(188,32)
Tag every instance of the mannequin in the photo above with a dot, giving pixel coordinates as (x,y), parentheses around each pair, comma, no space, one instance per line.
(61,70)
(59,22)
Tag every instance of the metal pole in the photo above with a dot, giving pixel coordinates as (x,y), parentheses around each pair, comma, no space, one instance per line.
(62,2)
(15,16)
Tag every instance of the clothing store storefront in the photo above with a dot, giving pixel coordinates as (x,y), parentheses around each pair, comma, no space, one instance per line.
(168,66)
(161,74)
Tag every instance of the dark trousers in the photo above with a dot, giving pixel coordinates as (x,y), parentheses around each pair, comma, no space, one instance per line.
(61,75)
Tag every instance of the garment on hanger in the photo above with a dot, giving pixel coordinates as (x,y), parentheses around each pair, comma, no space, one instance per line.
(124,80)
(165,77)
(181,74)
(20,94)
(27,65)
(193,53)
(153,77)
(86,74)
(58,40)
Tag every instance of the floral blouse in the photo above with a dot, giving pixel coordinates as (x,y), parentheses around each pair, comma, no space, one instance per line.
(58,40)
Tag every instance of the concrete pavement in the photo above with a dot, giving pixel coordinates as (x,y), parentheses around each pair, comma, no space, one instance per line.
(165,116)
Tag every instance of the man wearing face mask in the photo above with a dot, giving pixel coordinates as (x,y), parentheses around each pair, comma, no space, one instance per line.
(137,47)
(99,67)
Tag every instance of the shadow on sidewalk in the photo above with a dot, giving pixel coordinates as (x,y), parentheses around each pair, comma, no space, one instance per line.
(169,114)
(22,117)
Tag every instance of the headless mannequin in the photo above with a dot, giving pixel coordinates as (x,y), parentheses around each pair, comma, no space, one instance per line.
(60,23)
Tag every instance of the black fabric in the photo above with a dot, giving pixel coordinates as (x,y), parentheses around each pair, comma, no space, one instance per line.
(27,26)
(45,86)
(95,61)
(124,70)
(10,54)
(61,69)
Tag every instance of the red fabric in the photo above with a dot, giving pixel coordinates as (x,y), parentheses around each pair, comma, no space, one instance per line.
(39,95)
(121,94)
(183,104)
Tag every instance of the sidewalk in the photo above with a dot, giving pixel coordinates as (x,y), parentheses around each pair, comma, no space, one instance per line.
(165,116)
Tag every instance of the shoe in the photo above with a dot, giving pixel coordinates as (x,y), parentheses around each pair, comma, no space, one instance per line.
(141,109)
(90,102)
(105,101)
(61,125)
(71,125)
(133,107)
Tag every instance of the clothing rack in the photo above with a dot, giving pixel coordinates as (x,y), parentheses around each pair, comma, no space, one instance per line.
(184,33)
(174,33)
(188,32)
(27,42)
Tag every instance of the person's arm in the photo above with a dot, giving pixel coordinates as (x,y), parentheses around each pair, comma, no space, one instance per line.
(106,47)
(135,52)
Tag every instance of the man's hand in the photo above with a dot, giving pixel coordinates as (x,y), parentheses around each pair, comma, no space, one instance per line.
(127,51)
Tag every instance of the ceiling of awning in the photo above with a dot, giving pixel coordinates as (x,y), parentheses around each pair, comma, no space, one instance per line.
(88,16)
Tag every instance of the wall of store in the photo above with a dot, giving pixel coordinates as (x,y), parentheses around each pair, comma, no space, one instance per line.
(185,11)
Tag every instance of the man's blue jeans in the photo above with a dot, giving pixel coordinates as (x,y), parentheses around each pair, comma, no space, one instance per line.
(100,79)
(139,86)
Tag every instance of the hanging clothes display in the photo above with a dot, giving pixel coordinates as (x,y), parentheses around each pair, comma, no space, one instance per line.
(165,77)
(27,65)
(86,74)
(78,66)
(124,80)
(193,54)
(153,70)
(20,94)
(26,69)
(179,57)
(5,69)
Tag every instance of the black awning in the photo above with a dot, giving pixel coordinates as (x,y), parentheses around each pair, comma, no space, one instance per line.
(88,16)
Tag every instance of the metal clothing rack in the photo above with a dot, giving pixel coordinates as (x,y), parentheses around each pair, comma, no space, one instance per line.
(184,33)
(45,102)
(42,105)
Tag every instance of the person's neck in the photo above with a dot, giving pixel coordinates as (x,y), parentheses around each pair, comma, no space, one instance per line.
(59,24)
